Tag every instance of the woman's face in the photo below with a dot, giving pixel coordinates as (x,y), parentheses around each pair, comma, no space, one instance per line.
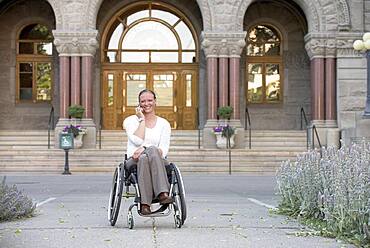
(147,102)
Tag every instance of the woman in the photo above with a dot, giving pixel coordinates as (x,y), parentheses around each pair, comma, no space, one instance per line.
(147,146)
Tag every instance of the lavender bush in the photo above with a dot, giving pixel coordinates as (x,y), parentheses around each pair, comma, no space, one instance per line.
(331,186)
(13,203)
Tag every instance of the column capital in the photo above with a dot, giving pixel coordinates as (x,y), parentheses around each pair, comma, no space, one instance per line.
(72,43)
(321,45)
(223,44)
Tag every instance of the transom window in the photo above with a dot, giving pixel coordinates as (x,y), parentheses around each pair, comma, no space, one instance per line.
(264,65)
(34,64)
(150,34)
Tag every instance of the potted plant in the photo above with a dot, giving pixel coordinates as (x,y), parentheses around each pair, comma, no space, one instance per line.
(76,111)
(224,132)
(225,112)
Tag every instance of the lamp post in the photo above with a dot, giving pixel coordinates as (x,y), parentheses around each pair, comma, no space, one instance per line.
(364,46)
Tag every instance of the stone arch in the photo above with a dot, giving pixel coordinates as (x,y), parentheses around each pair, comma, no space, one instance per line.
(314,11)
(94,5)
(308,6)
(57,13)
(206,14)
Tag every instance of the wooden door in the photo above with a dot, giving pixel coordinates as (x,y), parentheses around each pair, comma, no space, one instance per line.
(175,90)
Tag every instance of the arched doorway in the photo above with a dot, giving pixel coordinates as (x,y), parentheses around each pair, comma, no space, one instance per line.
(150,45)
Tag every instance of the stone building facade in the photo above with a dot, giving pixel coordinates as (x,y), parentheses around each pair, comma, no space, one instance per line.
(319,69)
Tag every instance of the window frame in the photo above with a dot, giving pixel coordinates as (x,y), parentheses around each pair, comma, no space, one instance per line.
(122,15)
(33,58)
(264,60)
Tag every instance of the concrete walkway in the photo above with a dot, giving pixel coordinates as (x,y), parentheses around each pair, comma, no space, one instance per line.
(223,211)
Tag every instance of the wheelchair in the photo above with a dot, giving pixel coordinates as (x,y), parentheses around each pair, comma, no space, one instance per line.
(125,178)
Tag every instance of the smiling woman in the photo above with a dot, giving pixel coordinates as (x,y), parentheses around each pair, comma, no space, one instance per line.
(147,146)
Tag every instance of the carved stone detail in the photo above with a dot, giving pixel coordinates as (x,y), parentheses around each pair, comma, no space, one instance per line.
(343,15)
(76,43)
(320,45)
(315,48)
(223,44)
(345,48)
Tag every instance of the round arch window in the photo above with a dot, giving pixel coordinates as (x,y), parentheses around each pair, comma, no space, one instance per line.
(264,65)
(150,33)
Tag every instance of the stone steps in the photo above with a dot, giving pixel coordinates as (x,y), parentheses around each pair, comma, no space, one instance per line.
(26,151)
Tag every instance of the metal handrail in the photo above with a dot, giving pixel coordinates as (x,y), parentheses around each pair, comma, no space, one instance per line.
(100,126)
(303,114)
(249,128)
(50,124)
(314,131)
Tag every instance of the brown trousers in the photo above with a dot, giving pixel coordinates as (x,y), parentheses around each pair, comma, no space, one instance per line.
(151,173)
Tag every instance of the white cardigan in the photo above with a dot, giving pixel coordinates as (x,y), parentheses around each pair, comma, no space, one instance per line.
(158,136)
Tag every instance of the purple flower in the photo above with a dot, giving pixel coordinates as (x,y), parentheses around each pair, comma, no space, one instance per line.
(218,128)
(75,130)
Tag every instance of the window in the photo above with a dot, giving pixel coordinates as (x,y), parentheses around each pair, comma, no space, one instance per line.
(34,64)
(150,34)
(264,65)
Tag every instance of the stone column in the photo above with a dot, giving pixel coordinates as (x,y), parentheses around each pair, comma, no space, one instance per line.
(212,86)
(77,45)
(87,86)
(234,86)
(64,86)
(75,80)
(227,47)
(223,86)
(322,51)
(317,88)
(330,89)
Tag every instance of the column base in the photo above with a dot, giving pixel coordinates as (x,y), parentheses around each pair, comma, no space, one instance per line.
(328,132)
(209,138)
(89,139)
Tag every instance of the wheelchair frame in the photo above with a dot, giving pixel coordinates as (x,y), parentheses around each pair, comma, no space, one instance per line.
(125,177)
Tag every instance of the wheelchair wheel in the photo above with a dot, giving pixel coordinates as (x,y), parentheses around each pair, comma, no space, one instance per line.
(179,192)
(115,195)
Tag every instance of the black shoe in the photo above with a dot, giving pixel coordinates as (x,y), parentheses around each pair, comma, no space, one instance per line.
(145,209)
(164,198)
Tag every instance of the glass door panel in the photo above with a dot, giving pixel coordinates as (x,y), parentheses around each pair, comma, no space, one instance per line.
(163,87)
(135,82)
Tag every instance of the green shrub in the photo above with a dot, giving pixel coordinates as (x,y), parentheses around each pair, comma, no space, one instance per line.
(225,112)
(76,111)
(13,203)
(331,187)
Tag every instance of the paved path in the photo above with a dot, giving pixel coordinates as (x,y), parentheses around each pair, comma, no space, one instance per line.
(223,211)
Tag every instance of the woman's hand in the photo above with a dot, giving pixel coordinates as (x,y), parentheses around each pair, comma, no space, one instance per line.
(137,153)
(139,112)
